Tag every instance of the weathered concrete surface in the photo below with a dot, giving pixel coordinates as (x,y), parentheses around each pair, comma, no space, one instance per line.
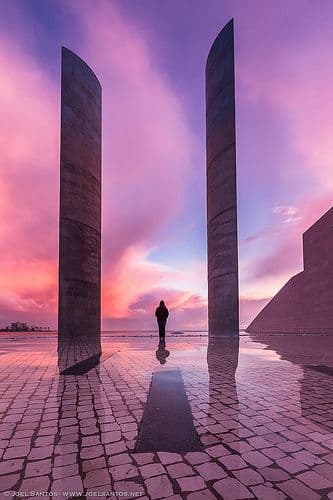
(80,211)
(223,301)
(305,303)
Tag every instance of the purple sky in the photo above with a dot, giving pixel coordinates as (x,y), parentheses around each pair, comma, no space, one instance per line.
(150,56)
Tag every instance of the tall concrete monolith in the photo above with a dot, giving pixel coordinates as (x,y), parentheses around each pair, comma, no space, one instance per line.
(79,318)
(223,300)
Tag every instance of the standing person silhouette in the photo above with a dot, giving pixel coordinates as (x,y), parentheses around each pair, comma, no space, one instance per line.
(161,314)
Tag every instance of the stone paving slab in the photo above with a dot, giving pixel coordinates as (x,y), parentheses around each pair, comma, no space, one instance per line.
(263,417)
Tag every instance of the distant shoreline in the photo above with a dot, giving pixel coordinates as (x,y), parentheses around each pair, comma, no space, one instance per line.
(128,334)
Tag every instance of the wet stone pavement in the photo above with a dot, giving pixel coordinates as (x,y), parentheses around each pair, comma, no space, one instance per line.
(262,411)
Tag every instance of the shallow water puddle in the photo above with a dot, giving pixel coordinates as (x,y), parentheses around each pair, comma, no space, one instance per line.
(167,423)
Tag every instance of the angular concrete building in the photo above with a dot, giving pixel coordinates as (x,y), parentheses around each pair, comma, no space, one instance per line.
(80,216)
(305,303)
(222,248)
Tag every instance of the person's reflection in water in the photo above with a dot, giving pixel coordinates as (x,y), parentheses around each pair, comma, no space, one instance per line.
(162,353)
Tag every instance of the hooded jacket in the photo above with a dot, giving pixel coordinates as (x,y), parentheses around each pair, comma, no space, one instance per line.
(162,312)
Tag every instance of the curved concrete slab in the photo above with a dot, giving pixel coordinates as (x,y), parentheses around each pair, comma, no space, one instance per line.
(223,301)
(80,213)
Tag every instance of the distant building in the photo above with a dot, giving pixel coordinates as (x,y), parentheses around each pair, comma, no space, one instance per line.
(19,327)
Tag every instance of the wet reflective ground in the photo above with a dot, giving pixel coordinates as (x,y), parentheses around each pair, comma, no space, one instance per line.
(259,417)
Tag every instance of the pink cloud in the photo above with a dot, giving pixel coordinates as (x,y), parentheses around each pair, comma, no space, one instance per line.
(266,273)
(249,308)
(187,311)
(286,81)
(289,213)
(147,148)
(147,156)
(147,142)
(133,288)
(28,187)
(147,160)
(292,77)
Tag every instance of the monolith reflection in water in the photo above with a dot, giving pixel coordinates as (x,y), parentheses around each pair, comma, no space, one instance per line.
(222,361)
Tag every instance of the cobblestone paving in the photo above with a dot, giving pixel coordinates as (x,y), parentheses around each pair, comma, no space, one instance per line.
(265,420)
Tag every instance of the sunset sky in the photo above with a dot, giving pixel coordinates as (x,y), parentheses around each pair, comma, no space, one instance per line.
(149,56)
